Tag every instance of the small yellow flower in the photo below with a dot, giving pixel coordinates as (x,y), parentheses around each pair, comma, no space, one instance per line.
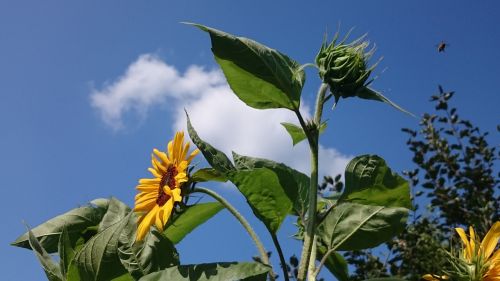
(434,277)
(483,255)
(157,196)
(476,262)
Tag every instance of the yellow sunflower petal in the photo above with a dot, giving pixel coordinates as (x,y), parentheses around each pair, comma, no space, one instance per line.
(176,195)
(154,181)
(193,154)
(472,241)
(147,187)
(154,172)
(465,241)
(163,157)
(145,223)
(490,241)
(158,218)
(184,149)
(167,210)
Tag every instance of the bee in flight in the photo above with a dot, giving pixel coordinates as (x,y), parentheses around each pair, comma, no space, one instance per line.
(442,46)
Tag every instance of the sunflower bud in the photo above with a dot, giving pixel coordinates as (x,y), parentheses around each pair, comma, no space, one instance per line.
(344,66)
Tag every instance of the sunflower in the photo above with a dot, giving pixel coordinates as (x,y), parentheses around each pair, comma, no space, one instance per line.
(477,261)
(487,262)
(158,195)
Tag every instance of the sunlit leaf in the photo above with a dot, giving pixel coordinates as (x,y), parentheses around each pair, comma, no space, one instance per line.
(223,271)
(98,259)
(191,218)
(260,76)
(207,174)
(370,94)
(76,221)
(335,263)
(51,268)
(369,181)
(352,226)
(297,133)
(153,254)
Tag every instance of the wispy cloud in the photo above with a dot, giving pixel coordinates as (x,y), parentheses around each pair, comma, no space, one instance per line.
(217,114)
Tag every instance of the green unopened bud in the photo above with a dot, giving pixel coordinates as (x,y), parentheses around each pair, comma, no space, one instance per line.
(344,66)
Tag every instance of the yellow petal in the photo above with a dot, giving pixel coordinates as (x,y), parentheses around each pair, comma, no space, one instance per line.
(472,242)
(145,223)
(167,210)
(176,195)
(490,241)
(158,219)
(155,181)
(163,157)
(465,241)
(154,172)
(193,154)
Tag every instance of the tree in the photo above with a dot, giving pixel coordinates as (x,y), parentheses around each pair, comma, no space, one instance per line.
(456,177)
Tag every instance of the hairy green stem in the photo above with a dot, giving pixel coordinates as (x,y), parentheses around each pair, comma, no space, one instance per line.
(243,222)
(312,134)
(312,261)
(280,254)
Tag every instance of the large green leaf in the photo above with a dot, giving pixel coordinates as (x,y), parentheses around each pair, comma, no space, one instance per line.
(223,271)
(117,210)
(76,221)
(191,218)
(260,76)
(369,181)
(153,254)
(272,189)
(352,226)
(335,263)
(370,94)
(98,259)
(217,159)
(66,251)
(207,174)
(51,268)
(297,133)
(292,183)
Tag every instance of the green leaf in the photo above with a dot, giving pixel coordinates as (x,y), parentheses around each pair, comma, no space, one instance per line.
(207,174)
(352,226)
(294,184)
(98,259)
(217,159)
(369,181)
(117,210)
(297,133)
(66,251)
(191,218)
(153,254)
(335,263)
(50,267)
(260,76)
(370,94)
(272,189)
(76,221)
(222,271)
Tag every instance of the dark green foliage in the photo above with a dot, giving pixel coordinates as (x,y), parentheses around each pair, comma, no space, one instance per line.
(456,172)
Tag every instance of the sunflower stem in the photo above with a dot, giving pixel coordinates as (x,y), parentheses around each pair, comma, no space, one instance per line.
(312,134)
(243,222)
(280,254)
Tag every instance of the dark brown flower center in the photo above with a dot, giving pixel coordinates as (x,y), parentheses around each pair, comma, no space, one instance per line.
(167,179)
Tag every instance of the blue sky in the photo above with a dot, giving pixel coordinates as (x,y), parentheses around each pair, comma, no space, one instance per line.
(58,150)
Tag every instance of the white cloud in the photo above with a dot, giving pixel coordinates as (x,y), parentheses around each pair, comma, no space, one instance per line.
(217,114)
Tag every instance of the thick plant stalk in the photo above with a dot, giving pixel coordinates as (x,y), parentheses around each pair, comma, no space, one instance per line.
(243,222)
(312,134)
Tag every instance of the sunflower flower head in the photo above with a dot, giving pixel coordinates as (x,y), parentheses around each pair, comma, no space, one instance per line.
(156,198)
(477,260)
